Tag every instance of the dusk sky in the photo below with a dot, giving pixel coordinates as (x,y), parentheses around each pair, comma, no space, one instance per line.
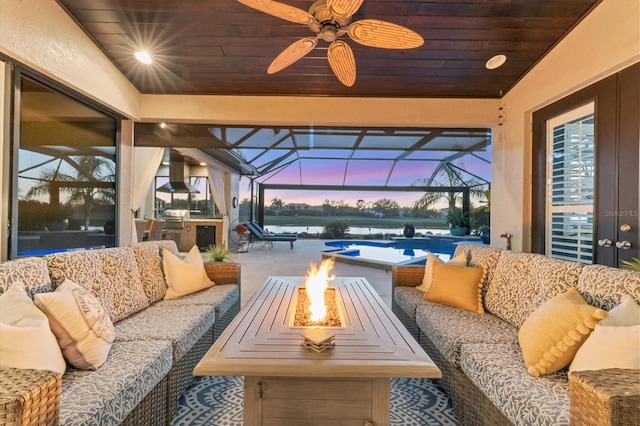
(361,173)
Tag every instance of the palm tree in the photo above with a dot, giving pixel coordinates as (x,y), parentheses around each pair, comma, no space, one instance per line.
(277,204)
(449,174)
(86,185)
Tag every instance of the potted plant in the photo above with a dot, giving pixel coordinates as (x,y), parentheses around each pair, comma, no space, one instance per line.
(633,265)
(409,231)
(458,221)
(484,233)
(217,253)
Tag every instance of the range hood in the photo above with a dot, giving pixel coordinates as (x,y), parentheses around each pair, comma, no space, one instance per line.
(178,175)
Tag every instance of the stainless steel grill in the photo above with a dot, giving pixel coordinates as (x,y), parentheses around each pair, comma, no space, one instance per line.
(174,218)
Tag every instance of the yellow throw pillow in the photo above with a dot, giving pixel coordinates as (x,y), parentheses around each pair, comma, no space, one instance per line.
(553,333)
(80,323)
(432,259)
(184,276)
(458,286)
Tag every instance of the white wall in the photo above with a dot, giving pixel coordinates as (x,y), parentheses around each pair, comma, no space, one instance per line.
(41,35)
(607,41)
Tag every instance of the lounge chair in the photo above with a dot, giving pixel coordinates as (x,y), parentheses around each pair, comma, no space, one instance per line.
(268,238)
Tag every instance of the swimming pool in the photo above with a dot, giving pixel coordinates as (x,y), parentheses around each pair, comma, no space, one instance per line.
(381,254)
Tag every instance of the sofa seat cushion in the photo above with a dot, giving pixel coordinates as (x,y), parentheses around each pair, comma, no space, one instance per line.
(221,297)
(183,327)
(604,287)
(111,275)
(106,396)
(498,371)
(449,328)
(408,298)
(32,272)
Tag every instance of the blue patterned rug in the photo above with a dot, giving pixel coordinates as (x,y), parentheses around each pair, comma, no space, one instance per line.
(218,401)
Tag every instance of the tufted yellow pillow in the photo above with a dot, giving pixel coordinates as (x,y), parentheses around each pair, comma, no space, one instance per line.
(458,286)
(432,259)
(553,333)
(184,276)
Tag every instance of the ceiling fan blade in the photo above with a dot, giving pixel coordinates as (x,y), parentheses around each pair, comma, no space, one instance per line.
(375,33)
(280,10)
(343,8)
(342,62)
(292,53)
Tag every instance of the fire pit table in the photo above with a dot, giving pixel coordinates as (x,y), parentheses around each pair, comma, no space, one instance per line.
(288,384)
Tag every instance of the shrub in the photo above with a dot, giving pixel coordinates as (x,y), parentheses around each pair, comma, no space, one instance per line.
(335,229)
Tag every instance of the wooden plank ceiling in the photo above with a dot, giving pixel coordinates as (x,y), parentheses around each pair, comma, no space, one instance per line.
(224,47)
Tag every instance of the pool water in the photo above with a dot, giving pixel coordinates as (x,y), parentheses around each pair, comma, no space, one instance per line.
(380,254)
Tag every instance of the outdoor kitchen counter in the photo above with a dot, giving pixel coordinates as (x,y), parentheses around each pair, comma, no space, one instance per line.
(187,237)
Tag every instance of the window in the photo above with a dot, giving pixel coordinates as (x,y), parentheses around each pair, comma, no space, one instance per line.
(66,173)
(570,185)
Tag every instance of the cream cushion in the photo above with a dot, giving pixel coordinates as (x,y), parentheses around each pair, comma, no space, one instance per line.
(625,313)
(432,259)
(458,286)
(614,342)
(553,333)
(26,341)
(609,347)
(80,323)
(184,276)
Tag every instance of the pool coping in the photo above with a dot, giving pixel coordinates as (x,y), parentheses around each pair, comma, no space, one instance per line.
(372,263)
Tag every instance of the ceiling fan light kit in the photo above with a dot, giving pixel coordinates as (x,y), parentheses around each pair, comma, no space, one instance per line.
(330,19)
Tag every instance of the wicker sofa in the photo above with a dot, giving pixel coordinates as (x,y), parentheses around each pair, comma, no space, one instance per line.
(480,357)
(157,343)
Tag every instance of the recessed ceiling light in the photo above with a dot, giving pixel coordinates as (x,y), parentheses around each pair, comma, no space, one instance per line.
(203,164)
(143,57)
(163,125)
(165,163)
(496,62)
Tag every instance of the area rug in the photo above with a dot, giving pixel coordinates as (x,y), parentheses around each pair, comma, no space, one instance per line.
(218,401)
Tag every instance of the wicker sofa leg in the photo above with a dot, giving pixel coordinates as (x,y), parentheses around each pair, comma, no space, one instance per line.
(181,373)
(152,410)
(223,322)
(408,323)
(470,404)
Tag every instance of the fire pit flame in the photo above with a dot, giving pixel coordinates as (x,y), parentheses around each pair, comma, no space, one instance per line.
(316,283)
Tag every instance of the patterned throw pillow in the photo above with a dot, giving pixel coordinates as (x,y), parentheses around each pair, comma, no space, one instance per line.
(432,259)
(80,323)
(184,276)
(458,286)
(26,341)
(553,333)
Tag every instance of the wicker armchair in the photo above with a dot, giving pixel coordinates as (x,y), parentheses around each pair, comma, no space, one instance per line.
(29,397)
(605,397)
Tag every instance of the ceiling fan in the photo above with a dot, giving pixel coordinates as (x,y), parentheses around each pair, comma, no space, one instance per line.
(330,19)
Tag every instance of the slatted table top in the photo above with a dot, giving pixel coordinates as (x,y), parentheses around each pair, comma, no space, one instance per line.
(262,341)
